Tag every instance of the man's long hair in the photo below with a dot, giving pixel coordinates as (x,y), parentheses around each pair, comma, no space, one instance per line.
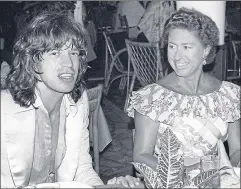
(44,33)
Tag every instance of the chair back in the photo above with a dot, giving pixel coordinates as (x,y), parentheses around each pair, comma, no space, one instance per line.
(112,52)
(233,67)
(94,95)
(124,23)
(146,61)
(115,61)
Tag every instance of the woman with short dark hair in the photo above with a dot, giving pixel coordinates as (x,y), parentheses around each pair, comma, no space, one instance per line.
(200,110)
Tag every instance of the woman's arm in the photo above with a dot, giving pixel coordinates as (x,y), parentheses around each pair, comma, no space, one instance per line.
(234,142)
(145,139)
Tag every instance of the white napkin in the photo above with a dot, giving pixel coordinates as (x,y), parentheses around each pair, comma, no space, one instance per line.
(228,176)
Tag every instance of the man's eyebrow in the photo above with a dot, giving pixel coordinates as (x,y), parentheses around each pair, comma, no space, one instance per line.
(187,43)
(74,49)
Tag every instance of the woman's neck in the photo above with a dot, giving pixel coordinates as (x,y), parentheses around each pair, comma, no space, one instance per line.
(191,83)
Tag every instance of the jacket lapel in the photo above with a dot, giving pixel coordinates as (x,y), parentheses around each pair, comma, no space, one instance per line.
(19,136)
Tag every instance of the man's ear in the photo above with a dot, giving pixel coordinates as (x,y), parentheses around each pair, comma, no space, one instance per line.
(36,72)
(207,50)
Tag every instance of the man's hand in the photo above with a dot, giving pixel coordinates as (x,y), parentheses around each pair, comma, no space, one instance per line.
(127,181)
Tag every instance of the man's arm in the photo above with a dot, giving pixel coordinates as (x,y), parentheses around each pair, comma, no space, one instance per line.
(6,177)
(85,172)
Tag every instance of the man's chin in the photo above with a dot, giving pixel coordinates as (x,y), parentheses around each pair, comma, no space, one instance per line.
(65,90)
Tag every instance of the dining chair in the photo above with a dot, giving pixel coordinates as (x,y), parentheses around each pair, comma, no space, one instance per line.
(147,62)
(124,23)
(233,65)
(94,95)
(114,66)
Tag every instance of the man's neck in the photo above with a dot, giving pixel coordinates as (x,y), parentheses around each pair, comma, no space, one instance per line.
(50,99)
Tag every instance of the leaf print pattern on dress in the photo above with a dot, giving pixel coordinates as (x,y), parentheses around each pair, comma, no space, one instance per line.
(150,176)
(204,178)
(169,166)
(170,160)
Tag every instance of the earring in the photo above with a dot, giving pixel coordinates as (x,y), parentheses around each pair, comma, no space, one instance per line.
(204,62)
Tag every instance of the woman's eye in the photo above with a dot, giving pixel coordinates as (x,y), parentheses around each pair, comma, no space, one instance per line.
(171,46)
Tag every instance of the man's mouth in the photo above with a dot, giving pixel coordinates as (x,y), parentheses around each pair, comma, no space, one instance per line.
(66,76)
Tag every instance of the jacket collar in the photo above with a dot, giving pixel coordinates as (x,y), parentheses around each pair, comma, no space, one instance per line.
(71,106)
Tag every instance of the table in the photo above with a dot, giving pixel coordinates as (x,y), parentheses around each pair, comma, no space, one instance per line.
(118,186)
(236,169)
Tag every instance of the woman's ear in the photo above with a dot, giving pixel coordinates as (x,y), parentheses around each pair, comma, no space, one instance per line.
(207,50)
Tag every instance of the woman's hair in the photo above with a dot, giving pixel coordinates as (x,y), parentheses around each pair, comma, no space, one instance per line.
(197,22)
(44,33)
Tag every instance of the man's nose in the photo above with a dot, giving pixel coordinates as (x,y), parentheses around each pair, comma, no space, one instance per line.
(67,60)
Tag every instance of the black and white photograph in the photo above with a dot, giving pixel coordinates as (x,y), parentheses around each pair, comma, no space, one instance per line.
(120,94)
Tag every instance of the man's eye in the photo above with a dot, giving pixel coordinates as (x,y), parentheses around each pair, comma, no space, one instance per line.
(75,53)
(82,53)
(55,53)
(187,47)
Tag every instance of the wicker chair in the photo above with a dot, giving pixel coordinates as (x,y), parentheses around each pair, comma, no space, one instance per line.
(124,23)
(94,96)
(233,65)
(112,61)
(147,63)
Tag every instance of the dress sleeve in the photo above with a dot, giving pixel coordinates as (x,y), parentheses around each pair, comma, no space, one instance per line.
(151,101)
(85,172)
(228,106)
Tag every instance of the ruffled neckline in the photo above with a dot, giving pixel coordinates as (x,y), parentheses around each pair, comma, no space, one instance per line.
(192,95)
(162,104)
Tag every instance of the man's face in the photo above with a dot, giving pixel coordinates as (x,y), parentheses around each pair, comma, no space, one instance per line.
(59,69)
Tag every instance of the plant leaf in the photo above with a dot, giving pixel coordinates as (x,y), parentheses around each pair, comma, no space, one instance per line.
(150,176)
(170,161)
(204,177)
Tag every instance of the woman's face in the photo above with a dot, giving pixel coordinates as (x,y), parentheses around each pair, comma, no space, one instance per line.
(185,52)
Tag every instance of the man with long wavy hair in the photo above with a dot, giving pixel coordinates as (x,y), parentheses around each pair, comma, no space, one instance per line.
(44,111)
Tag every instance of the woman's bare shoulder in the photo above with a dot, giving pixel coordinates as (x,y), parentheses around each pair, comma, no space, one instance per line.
(210,83)
(167,81)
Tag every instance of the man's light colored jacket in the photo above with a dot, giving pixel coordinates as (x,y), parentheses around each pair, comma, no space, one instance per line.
(17,143)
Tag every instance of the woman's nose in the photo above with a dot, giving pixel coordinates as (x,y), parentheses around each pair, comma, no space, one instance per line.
(178,54)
